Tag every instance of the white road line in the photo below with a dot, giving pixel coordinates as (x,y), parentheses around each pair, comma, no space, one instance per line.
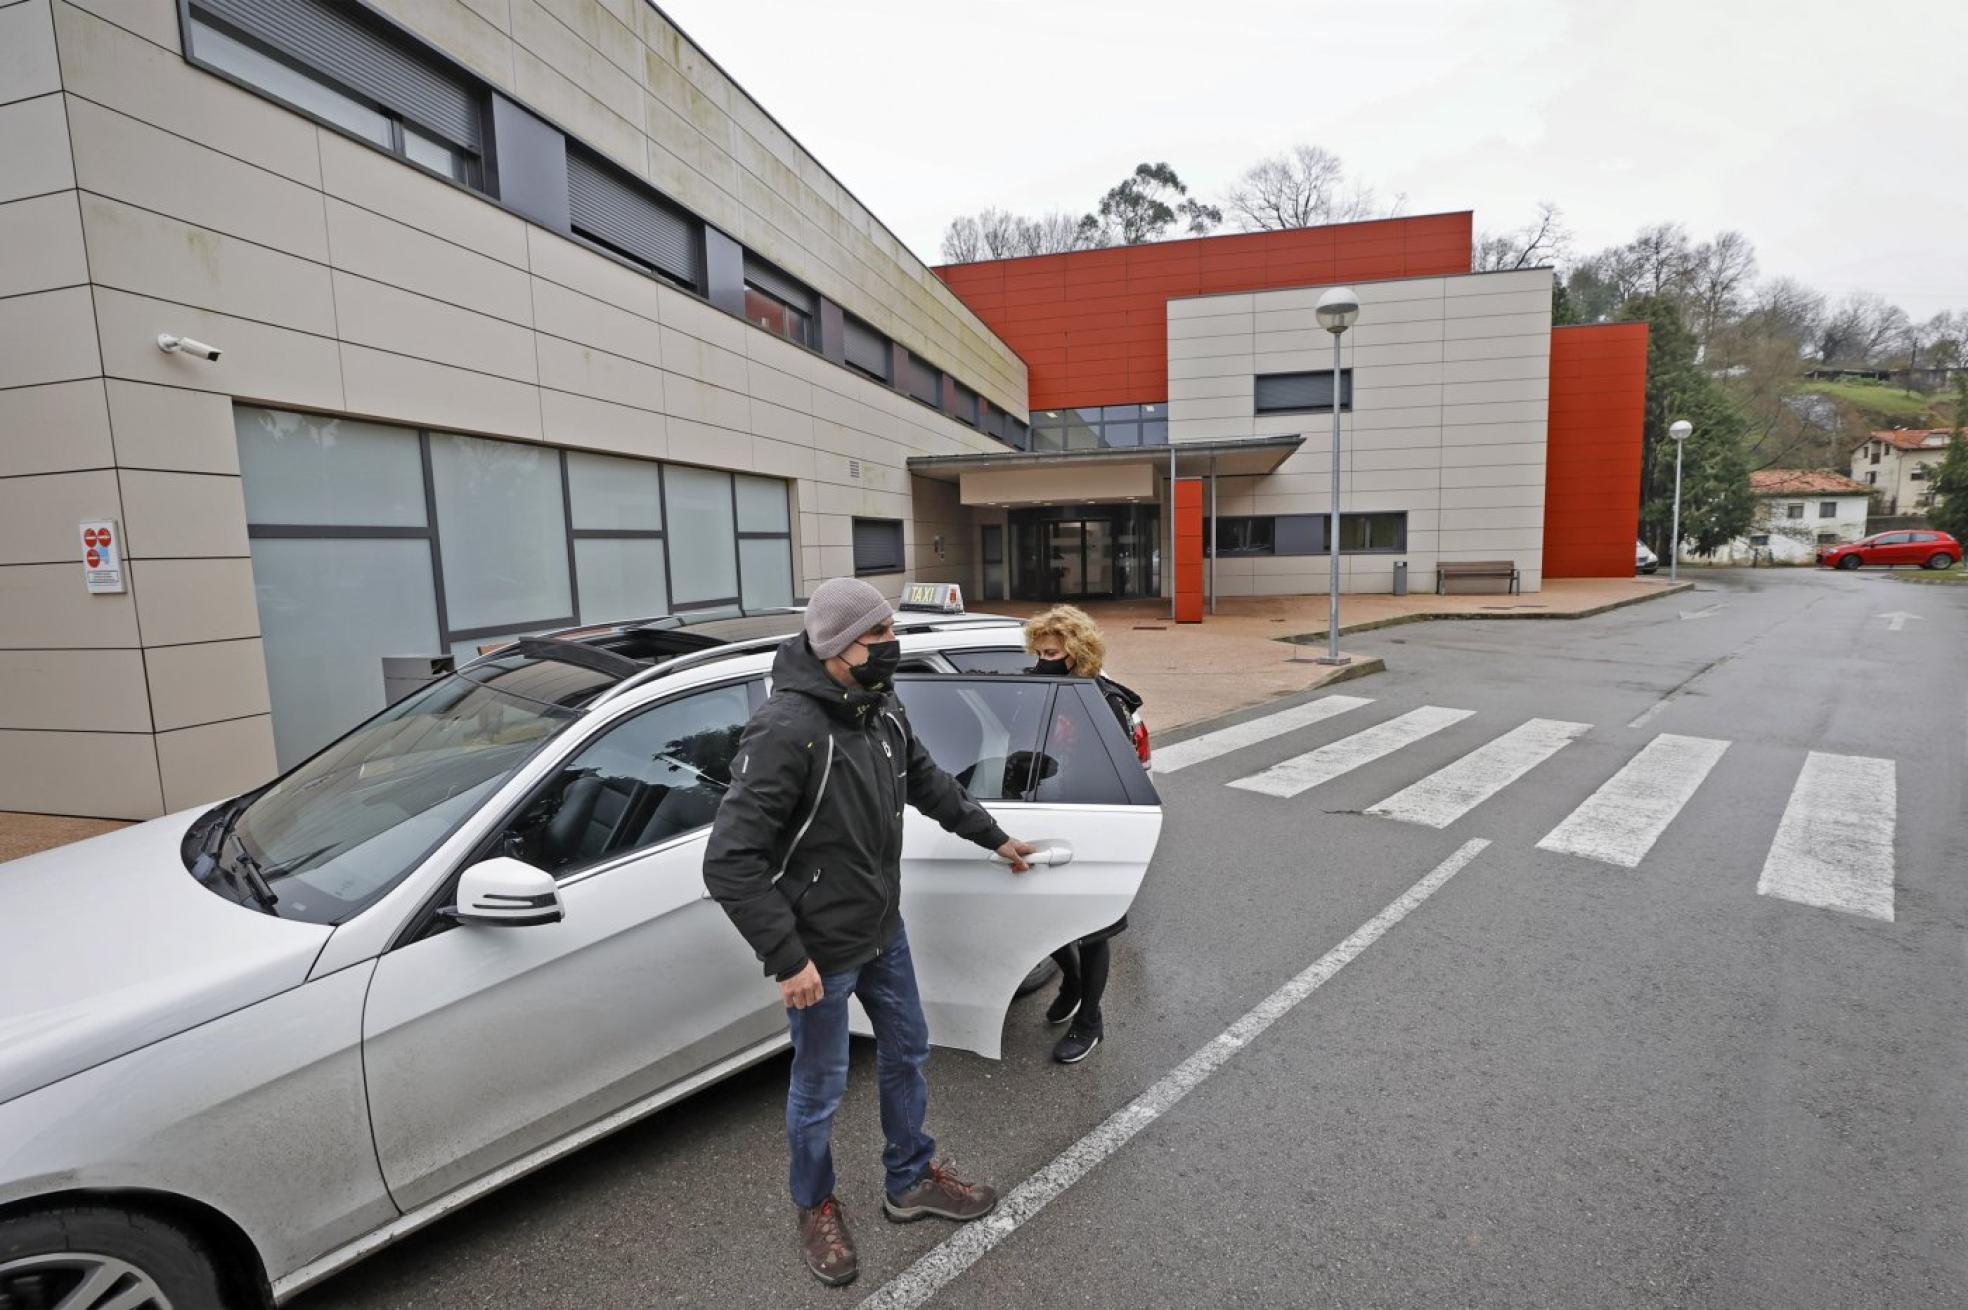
(1834,845)
(1303,772)
(1447,794)
(1239,735)
(1619,823)
(971,1243)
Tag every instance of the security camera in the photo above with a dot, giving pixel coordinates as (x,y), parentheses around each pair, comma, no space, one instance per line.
(170,344)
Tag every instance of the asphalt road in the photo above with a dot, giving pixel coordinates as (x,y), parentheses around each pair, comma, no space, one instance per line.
(1557,1082)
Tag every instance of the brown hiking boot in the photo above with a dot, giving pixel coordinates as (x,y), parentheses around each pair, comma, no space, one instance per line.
(942,1195)
(826,1244)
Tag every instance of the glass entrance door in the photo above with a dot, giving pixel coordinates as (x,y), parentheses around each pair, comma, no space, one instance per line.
(1066,559)
(1084,552)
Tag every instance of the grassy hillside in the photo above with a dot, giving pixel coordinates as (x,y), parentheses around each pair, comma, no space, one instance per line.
(1883,405)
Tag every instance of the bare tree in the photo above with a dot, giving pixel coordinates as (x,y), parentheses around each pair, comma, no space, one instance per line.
(1718,281)
(1304,187)
(1000,234)
(1542,241)
(1785,309)
(963,241)
(1860,329)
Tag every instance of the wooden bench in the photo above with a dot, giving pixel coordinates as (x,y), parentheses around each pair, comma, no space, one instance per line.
(1500,569)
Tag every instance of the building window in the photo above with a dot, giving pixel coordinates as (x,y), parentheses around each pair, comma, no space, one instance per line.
(1760,539)
(1793,511)
(925,381)
(612,209)
(1918,474)
(877,546)
(964,404)
(1018,433)
(1827,538)
(868,351)
(1872,478)
(1827,509)
(778,304)
(329,62)
(1372,533)
(1254,535)
(370,541)
(1301,393)
(1099,427)
(1875,449)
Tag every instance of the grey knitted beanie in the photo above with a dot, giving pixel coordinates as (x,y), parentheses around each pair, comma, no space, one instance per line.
(840,610)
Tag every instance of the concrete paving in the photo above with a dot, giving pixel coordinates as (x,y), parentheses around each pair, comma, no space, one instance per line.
(1558,1082)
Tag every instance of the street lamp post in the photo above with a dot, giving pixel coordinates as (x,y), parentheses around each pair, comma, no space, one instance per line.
(1337,310)
(1679,430)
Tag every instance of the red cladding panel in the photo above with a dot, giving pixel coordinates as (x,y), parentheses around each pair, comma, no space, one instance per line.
(1189,550)
(1592,456)
(1086,302)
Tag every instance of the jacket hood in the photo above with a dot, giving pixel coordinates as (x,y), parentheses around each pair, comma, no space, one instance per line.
(797,669)
(109,944)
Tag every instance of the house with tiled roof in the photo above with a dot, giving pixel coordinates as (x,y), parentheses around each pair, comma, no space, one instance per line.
(1899,465)
(1798,512)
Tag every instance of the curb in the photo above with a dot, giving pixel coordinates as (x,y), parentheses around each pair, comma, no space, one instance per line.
(1400,620)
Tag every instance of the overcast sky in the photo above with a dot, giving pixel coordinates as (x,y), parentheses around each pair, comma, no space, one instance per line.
(1834,134)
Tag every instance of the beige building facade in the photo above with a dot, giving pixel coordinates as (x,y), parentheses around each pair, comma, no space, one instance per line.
(425,364)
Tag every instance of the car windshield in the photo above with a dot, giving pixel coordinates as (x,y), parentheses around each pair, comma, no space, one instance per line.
(343,828)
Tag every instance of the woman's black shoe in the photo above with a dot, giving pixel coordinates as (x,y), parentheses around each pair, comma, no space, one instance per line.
(1076,1045)
(1064,1006)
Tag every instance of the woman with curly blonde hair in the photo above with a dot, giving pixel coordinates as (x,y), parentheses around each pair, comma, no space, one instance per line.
(1068,643)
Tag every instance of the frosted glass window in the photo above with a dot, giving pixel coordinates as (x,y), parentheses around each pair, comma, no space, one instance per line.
(703,536)
(614,493)
(768,572)
(306,469)
(621,578)
(502,531)
(761,504)
(329,611)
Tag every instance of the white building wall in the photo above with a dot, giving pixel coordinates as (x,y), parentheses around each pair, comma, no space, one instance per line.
(1451,381)
(140,194)
(1785,540)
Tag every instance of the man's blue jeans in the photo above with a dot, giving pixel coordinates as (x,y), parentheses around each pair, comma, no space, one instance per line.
(887,988)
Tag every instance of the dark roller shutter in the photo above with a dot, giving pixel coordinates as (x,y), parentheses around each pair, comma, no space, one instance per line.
(1283,392)
(966,405)
(925,381)
(1018,433)
(867,349)
(610,209)
(877,546)
(333,40)
(770,280)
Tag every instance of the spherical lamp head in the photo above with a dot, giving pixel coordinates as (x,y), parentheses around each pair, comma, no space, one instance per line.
(1680,430)
(1337,309)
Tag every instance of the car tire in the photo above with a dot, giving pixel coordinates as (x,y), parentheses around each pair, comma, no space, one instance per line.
(1940,560)
(1849,562)
(1042,973)
(44,1257)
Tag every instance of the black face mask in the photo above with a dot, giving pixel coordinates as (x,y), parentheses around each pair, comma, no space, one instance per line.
(1051,668)
(878,670)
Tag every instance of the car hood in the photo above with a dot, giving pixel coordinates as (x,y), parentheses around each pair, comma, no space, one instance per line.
(109,944)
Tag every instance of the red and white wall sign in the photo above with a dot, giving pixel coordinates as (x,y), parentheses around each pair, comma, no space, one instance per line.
(102,556)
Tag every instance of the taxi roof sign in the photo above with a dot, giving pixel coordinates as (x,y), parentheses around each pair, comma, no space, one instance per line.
(938,597)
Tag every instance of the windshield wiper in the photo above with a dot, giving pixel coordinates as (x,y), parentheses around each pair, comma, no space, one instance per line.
(249,874)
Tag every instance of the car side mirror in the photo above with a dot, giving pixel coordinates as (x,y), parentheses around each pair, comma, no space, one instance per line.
(506,891)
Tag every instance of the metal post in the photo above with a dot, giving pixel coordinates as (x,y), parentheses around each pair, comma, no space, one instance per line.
(1332,527)
(1213,531)
(1674,542)
(1168,565)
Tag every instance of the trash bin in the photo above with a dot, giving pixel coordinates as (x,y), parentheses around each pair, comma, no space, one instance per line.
(1400,577)
(403,674)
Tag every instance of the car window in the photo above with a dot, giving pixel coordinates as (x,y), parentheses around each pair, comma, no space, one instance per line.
(983,734)
(997,659)
(1076,768)
(650,778)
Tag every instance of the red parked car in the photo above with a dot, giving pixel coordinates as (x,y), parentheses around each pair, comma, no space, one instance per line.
(1930,550)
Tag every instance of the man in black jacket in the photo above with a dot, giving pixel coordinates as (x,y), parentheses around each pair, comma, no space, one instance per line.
(805,856)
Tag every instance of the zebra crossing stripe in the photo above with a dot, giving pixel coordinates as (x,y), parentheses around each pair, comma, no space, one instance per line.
(1197,750)
(1619,823)
(1449,793)
(1834,844)
(1306,771)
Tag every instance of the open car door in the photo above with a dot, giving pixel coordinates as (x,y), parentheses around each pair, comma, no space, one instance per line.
(1047,757)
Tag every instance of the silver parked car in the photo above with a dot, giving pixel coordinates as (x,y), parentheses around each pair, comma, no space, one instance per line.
(245,1046)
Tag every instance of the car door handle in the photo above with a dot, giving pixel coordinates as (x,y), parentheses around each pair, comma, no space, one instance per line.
(1044,852)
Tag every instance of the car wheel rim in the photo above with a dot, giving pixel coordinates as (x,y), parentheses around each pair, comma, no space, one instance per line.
(78,1280)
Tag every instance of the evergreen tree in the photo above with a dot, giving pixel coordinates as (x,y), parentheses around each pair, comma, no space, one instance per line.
(1949,483)
(1715,502)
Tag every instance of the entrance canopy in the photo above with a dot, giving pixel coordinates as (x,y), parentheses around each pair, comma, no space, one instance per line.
(1120,473)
